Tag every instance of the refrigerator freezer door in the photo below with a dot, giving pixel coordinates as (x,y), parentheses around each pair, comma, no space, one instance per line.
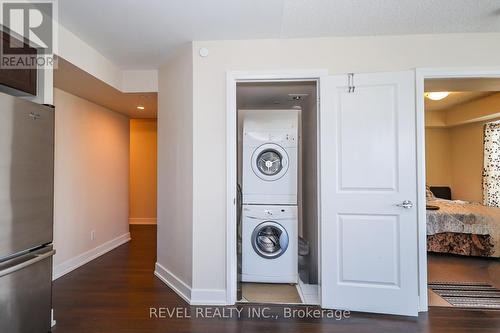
(25,293)
(26,175)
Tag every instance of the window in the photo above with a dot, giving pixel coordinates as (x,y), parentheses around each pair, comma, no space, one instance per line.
(491,172)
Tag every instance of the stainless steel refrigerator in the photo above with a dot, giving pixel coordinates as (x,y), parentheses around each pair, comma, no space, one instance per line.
(26,215)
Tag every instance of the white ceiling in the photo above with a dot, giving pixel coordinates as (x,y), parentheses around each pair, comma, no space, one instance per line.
(140,34)
(463,84)
(454,99)
(74,80)
(463,90)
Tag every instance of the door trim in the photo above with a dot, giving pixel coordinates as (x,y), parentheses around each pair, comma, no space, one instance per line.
(420,75)
(232,78)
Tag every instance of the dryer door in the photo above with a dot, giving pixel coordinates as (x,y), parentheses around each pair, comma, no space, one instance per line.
(270,162)
(270,240)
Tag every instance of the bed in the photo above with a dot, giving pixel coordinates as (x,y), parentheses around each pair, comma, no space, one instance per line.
(463,228)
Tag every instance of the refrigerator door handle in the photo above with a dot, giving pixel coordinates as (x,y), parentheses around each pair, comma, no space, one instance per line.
(37,258)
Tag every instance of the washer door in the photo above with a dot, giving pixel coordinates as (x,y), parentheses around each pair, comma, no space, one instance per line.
(270,240)
(270,162)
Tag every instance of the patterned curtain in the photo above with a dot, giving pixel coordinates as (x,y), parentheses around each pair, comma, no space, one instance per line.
(491,172)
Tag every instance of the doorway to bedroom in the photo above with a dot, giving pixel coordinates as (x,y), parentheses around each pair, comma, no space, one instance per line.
(462,153)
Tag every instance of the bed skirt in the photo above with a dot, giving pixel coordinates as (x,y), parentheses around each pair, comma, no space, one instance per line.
(462,244)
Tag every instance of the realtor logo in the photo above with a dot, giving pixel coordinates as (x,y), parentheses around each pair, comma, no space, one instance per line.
(29,34)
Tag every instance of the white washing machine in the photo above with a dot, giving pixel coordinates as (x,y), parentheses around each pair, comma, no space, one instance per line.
(270,156)
(270,241)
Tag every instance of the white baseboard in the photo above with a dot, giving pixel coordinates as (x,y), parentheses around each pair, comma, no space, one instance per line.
(142,220)
(73,263)
(208,297)
(191,296)
(175,283)
(52,320)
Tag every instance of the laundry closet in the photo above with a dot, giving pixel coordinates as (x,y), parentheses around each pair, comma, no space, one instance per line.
(277,176)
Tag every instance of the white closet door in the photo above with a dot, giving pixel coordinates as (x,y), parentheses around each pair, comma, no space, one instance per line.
(368,168)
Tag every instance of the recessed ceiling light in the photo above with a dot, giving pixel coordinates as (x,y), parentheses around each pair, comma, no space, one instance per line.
(140,107)
(437,95)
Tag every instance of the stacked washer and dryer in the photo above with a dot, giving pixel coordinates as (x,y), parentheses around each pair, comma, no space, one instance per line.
(270,210)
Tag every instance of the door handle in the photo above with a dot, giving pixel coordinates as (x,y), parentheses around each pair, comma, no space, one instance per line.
(35,258)
(407,204)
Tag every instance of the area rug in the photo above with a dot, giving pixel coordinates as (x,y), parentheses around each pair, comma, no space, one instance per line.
(476,295)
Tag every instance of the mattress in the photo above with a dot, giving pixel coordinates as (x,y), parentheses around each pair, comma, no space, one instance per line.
(462,227)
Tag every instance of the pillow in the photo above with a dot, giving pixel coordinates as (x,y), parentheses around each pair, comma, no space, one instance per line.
(428,193)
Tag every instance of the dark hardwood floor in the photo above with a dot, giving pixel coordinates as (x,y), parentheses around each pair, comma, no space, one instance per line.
(454,268)
(442,267)
(114,293)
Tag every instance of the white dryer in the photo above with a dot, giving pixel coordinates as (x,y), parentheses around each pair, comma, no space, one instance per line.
(270,156)
(270,241)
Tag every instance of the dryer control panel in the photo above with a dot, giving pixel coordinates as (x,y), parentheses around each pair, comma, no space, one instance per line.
(282,138)
(270,212)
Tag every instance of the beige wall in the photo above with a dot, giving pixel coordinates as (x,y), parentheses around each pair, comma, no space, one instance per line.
(454,146)
(467,145)
(467,153)
(454,157)
(91,180)
(175,170)
(142,171)
(438,157)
